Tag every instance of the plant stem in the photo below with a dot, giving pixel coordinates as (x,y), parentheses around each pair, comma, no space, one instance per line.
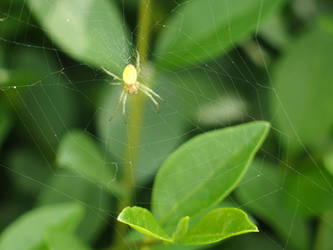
(135,122)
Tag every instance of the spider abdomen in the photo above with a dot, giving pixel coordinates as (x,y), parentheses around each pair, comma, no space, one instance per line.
(130,75)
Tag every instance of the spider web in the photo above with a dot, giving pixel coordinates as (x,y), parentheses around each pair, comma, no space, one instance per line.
(58,94)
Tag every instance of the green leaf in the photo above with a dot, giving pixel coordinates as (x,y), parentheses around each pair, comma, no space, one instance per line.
(201,30)
(27,231)
(5,123)
(143,221)
(298,85)
(181,229)
(60,189)
(324,239)
(57,239)
(79,153)
(90,31)
(217,225)
(262,192)
(204,170)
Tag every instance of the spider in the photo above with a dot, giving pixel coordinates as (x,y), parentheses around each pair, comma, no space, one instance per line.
(131,86)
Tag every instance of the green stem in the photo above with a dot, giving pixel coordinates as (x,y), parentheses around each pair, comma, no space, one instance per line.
(135,123)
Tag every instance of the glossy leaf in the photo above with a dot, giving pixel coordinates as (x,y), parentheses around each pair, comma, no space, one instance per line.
(27,231)
(59,240)
(204,170)
(143,221)
(90,31)
(201,30)
(298,85)
(79,153)
(66,186)
(217,225)
(262,192)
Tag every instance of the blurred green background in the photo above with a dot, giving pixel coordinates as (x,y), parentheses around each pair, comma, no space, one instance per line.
(52,91)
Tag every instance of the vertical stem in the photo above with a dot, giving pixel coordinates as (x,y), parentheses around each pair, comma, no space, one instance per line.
(135,122)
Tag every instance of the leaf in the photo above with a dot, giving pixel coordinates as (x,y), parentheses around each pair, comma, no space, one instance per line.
(181,229)
(27,231)
(298,85)
(90,31)
(204,170)
(262,192)
(79,153)
(143,221)
(60,189)
(59,240)
(217,225)
(201,30)
(5,122)
(324,239)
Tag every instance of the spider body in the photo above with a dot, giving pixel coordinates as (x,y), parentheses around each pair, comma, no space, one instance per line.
(131,86)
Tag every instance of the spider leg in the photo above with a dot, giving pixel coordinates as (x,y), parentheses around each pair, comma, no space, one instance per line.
(110,73)
(138,62)
(118,105)
(115,83)
(124,106)
(149,90)
(151,98)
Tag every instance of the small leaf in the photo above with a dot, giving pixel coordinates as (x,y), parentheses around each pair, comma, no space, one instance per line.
(90,31)
(298,85)
(204,170)
(143,221)
(201,30)
(27,231)
(57,239)
(181,228)
(217,225)
(79,153)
